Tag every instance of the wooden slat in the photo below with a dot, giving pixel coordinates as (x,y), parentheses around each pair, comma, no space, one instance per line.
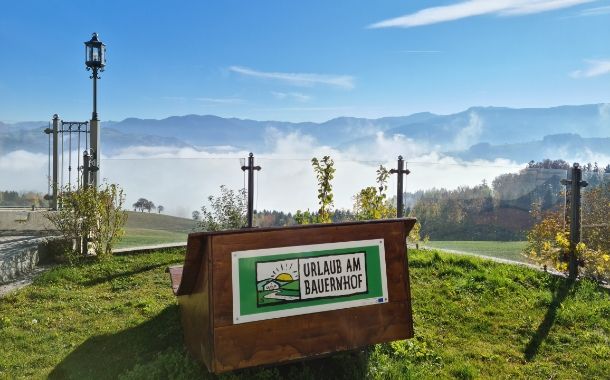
(196,312)
(255,230)
(175,275)
(291,338)
(192,264)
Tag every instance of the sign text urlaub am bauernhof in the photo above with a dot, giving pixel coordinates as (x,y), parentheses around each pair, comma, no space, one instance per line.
(286,281)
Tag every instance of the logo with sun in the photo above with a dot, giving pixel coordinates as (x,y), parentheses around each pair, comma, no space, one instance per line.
(277,282)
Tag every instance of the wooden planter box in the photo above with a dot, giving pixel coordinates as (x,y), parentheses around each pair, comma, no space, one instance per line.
(263,296)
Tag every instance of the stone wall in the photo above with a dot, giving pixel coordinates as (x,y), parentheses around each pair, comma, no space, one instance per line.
(19,255)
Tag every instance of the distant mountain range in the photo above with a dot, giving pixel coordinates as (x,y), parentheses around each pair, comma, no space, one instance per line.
(476,133)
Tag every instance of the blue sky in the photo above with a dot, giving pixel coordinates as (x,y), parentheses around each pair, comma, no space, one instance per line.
(301,60)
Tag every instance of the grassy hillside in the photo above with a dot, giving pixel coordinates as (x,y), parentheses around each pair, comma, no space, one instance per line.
(509,250)
(154,221)
(473,319)
(145,228)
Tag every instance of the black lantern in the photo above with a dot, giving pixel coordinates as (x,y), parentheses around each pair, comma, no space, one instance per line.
(95,53)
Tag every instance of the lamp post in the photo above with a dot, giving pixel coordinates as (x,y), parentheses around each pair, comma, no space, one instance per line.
(95,60)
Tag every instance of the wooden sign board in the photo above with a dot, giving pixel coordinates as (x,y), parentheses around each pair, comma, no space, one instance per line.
(265,296)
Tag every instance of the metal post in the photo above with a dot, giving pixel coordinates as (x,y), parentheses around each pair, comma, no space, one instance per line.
(94,76)
(575,184)
(250,168)
(400,207)
(55,162)
(86,181)
(96,154)
(95,150)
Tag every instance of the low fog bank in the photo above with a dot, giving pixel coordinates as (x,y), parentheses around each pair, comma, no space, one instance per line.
(181,179)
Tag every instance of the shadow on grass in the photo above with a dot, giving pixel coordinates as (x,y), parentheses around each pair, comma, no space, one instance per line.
(561,292)
(114,276)
(107,356)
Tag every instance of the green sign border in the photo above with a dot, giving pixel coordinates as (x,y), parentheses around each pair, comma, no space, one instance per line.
(245,296)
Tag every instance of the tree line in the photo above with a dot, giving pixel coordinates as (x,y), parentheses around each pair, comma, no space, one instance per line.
(143,204)
(22,199)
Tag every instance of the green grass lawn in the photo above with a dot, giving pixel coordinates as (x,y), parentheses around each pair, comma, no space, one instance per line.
(155,221)
(143,228)
(138,237)
(473,319)
(510,250)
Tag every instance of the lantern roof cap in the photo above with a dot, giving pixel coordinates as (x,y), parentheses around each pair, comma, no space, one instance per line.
(94,41)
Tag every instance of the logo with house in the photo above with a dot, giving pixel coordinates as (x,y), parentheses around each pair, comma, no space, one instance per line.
(277,282)
(313,277)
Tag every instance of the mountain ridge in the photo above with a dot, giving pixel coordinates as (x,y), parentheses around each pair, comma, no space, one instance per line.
(463,134)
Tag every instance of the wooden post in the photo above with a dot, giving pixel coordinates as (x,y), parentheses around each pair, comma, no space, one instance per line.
(400,207)
(250,168)
(575,184)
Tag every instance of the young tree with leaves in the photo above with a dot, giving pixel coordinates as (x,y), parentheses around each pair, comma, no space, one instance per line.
(325,173)
(227,211)
(371,202)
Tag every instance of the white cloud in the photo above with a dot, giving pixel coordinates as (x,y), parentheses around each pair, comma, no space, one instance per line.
(595,11)
(472,8)
(25,171)
(468,135)
(538,6)
(594,68)
(181,179)
(302,98)
(604,111)
(299,79)
(221,100)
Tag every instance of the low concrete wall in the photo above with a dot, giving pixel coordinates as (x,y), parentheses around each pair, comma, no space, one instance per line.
(24,221)
(20,255)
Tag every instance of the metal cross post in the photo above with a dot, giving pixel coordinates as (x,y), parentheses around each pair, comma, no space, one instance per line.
(54,132)
(399,187)
(86,168)
(250,168)
(575,184)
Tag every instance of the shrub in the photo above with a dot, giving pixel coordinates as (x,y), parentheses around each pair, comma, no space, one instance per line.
(549,241)
(227,211)
(92,213)
(371,203)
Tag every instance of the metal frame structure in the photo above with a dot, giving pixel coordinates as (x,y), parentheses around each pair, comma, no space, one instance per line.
(67,135)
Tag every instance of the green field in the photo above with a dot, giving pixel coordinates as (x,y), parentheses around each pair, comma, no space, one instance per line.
(509,250)
(473,319)
(143,228)
(139,237)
